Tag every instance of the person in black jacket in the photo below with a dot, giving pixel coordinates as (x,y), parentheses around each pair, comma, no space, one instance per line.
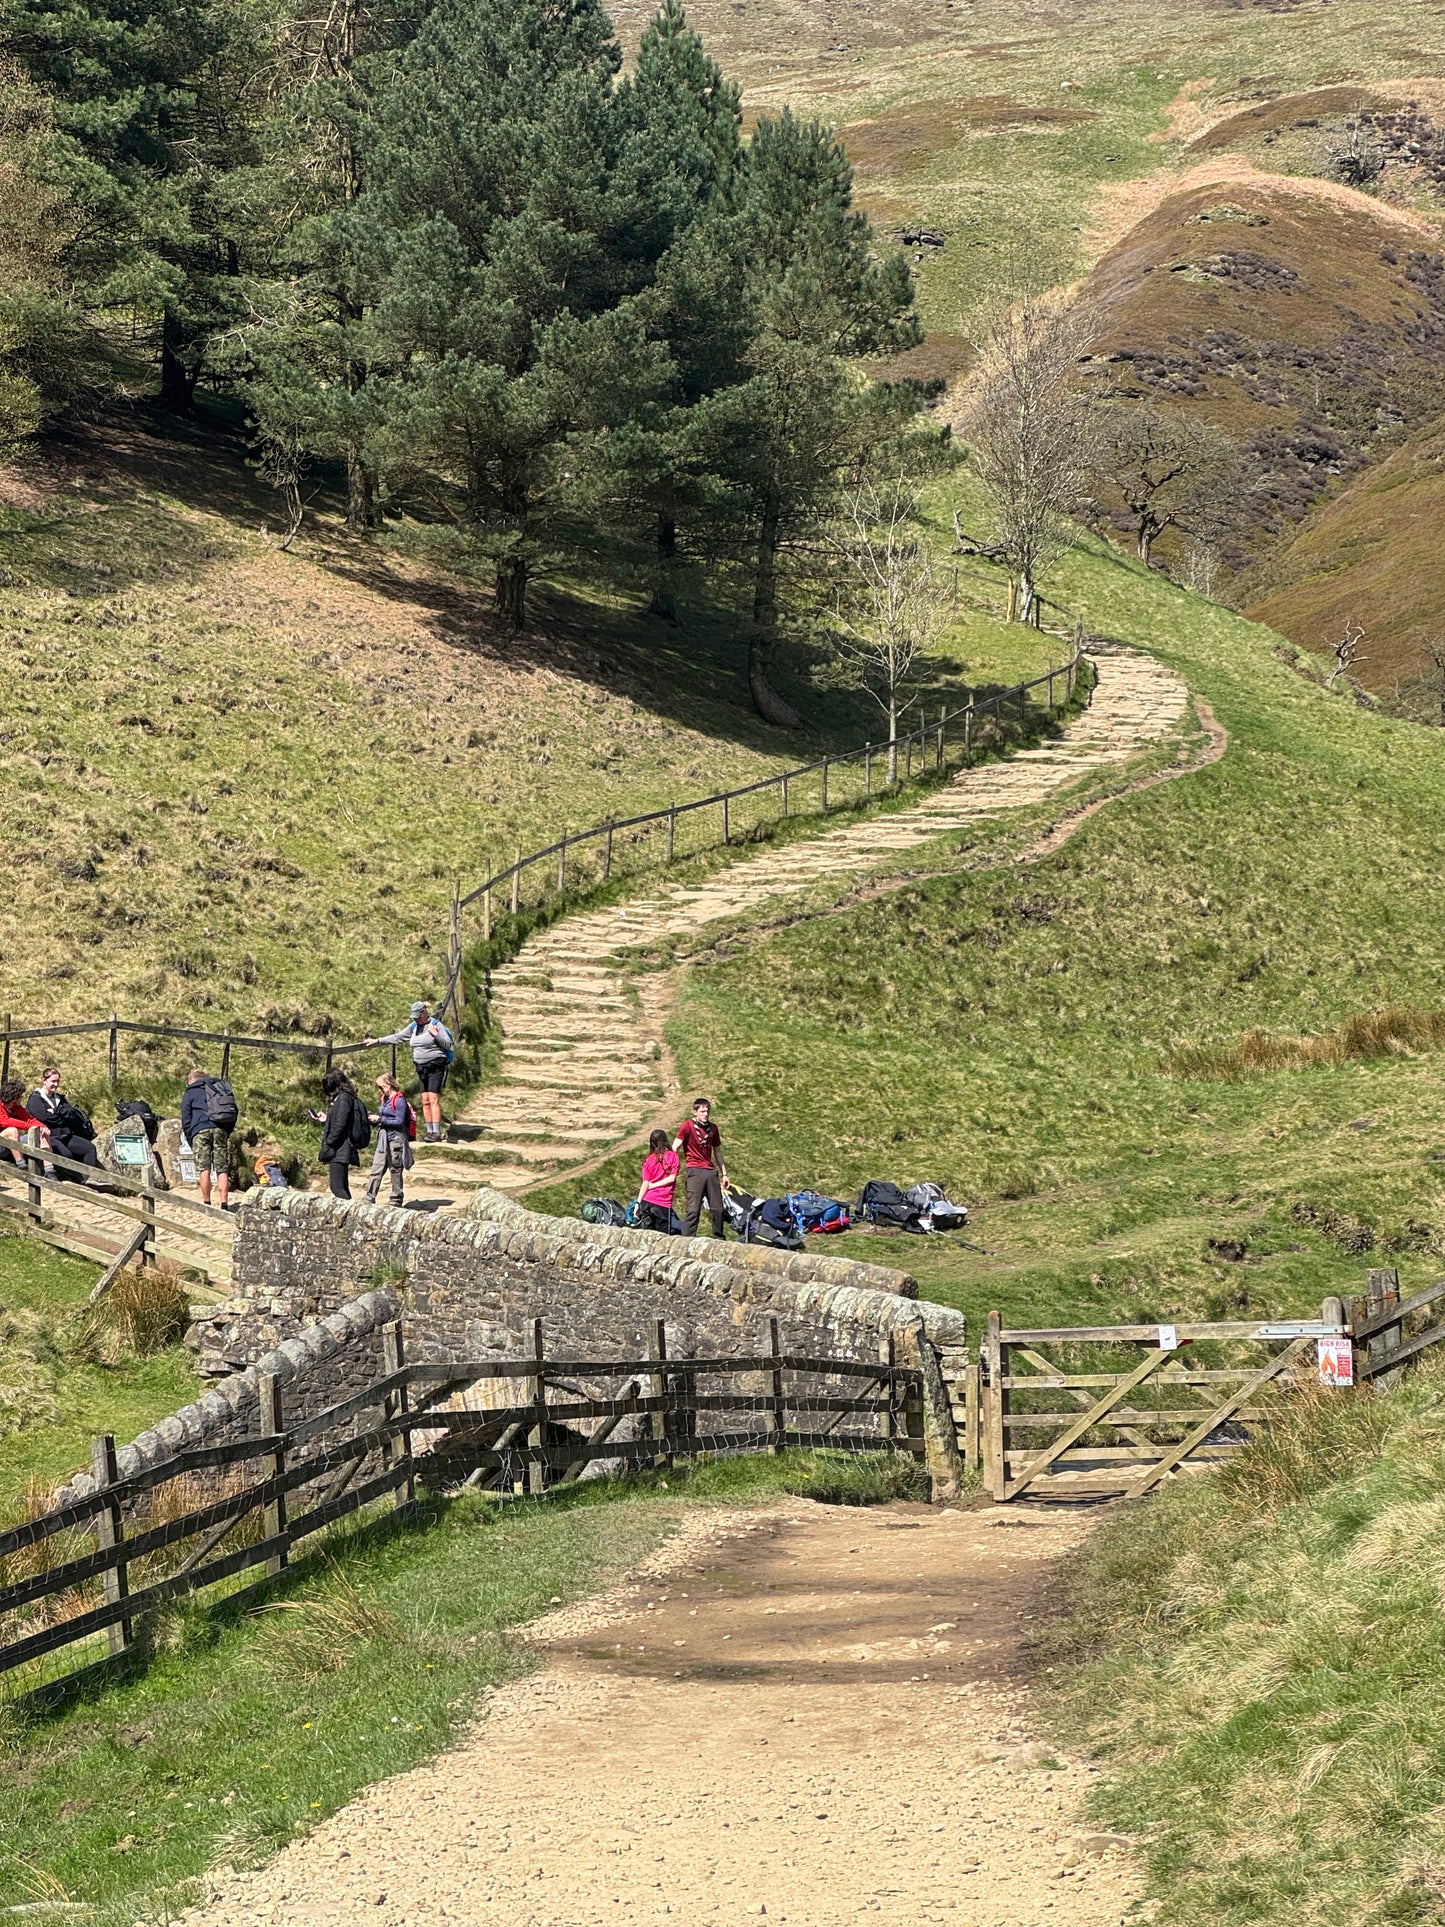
(71,1131)
(338,1147)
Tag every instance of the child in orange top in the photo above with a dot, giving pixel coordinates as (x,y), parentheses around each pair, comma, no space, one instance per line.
(659,1178)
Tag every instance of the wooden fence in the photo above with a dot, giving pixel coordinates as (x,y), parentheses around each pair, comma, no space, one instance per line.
(120,1219)
(581,860)
(87,1575)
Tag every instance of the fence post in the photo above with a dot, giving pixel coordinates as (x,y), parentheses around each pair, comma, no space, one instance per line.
(908,755)
(34,1171)
(562,865)
(226,1055)
(825,785)
(5,1060)
(933,1420)
(456,974)
(113,1050)
(868,772)
(607,861)
(393,1060)
(785,793)
(968,736)
(537,1437)
(971,1417)
(1382,1289)
(487,911)
(398,1404)
(671,831)
(780,1414)
(109,1533)
(887,1422)
(657,1351)
(147,1202)
(272,1415)
(727,833)
(996,1406)
(330,1053)
(517,884)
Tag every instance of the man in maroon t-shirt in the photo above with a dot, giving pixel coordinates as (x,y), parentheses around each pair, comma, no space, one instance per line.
(699,1144)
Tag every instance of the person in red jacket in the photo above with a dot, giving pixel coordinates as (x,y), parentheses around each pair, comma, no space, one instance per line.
(700,1143)
(16,1123)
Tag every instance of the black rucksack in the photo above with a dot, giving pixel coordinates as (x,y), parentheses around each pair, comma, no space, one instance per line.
(137,1107)
(604,1211)
(360,1123)
(221,1108)
(881,1202)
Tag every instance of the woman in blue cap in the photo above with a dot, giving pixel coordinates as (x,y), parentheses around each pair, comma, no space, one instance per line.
(431,1052)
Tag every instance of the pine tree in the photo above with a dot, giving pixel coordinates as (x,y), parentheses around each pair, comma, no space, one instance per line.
(499,237)
(147,128)
(787,434)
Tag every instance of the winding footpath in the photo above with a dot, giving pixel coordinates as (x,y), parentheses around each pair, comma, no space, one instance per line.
(582,1046)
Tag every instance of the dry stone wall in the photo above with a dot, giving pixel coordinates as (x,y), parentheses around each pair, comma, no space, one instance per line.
(471,1289)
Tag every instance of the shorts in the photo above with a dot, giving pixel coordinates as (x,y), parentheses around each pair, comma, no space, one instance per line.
(212,1148)
(433,1077)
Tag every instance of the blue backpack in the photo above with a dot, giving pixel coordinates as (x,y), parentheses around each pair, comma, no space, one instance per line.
(814,1213)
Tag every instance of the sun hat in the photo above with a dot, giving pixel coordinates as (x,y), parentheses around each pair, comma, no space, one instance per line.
(417,1009)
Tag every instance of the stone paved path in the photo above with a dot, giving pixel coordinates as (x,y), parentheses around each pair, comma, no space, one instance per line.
(582,1048)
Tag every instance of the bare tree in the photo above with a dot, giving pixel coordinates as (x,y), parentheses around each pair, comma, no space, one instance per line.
(890,604)
(1165,472)
(1346,652)
(1028,428)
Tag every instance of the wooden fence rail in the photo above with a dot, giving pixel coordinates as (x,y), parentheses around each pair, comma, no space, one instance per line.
(87,1574)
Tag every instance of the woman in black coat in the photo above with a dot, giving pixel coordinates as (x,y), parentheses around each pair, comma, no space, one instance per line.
(338,1149)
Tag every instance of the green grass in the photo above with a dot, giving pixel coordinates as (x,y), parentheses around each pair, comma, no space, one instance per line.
(1010,1033)
(241,1733)
(56,1393)
(1259,1657)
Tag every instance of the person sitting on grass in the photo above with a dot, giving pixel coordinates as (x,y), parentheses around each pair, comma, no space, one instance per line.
(659,1180)
(16,1123)
(206,1104)
(71,1132)
(395,1122)
(700,1141)
(431,1053)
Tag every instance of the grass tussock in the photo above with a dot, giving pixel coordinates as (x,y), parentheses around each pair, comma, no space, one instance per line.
(144,1312)
(1397,1030)
(309,1637)
(1260,1657)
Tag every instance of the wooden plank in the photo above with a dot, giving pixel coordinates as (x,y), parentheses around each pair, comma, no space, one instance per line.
(780,1414)
(996,1406)
(1392,1315)
(1075,1430)
(134,1243)
(109,1538)
(1133,1419)
(1376,1367)
(112,1181)
(1084,1381)
(1079,1398)
(971,1435)
(1077,1454)
(399,1448)
(1217,1417)
(101,1199)
(481,1368)
(537,1437)
(1146,1334)
(271,1418)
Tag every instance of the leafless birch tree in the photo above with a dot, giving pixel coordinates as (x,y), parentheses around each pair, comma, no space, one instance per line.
(890,602)
(1028,430)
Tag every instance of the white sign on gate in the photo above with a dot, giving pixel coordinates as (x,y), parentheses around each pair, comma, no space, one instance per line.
(1168,1338)
(1337,1360)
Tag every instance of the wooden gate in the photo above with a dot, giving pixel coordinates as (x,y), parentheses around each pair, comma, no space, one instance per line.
(1058,1415)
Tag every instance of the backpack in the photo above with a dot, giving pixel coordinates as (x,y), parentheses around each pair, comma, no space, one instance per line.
(604,1211)
(221,1107)
(773,1223)
(881,1202)
(815,1213)
(137,1107)
(360,1133)
(936,1208)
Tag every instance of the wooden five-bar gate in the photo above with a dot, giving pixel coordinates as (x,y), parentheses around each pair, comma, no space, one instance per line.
(86,1578)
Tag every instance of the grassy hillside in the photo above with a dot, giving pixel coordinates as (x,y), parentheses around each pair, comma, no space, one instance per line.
(1258,1656)
(1019,1034)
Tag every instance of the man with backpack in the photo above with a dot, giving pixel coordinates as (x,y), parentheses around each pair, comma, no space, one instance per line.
(433,1051)
(208,1117)
(699,1142)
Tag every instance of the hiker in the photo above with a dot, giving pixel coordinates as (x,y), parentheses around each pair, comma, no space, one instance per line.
(659,1179)
(704,1173)
(348,1130)
(395,1122)
(16,1123)
(71,1131)
(208,1117)
(431,1052)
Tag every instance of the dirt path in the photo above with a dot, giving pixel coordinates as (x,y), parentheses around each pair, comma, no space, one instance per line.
(583,1053)
(813,1713)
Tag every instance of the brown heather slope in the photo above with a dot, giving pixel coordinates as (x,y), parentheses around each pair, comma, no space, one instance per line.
(1305,319)
(1371,556)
